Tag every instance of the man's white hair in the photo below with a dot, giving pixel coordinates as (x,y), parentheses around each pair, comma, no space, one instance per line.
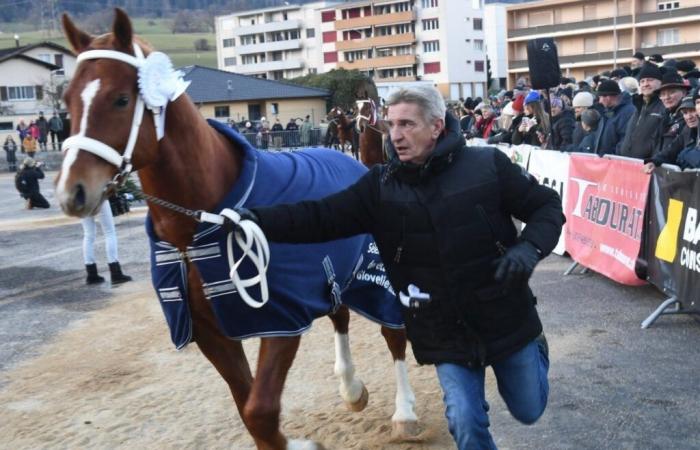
(427,97)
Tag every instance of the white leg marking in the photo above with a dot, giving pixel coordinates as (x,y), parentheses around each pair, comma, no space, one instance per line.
(86,96)
(405,399)
(297,444)
(350,387)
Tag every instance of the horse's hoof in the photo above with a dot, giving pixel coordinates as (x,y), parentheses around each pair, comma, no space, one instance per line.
(361,402)
(406,430)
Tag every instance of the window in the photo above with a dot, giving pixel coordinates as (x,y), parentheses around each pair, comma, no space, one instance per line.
(404,50)
(478,44)
(248,39)
(402,7)
(403,28)
(433,67)
(313,70)
(404,72)
(310,32)
(230,61)
(668,36)
(58,59)
(284,15)
(229,42)
(45,57)
(539,18)
(221,111)
(275,108)
(276,56)
(386,73)
(478,24)
(294,34)
(431,24)
(6,126)
(429,3)
(590,12)
(327,16)
(383,31)
(382,52)
(330,57)
(590,44)
(431,46)
(352,56)
(330,36)
(665,6)
(478,66)
(19,93)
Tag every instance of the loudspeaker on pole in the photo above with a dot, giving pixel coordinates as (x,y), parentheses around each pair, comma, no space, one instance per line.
(543,61)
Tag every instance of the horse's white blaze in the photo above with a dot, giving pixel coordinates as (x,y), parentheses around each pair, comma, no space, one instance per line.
(86,96)
(350,387)
(405,399)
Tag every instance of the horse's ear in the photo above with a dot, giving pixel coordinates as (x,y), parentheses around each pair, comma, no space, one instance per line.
(122,31)
(78,39)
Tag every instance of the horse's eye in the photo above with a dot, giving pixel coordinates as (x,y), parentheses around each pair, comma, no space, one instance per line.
(121,101)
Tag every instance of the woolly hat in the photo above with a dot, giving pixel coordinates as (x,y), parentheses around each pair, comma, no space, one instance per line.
(685,66)
(29,162)
(517,104)
(508,110)
(639,55)
(696,95)
(687,103)
(532,97)
(656,58)
(590,117)
(650,71)
(672,80)
(584,99)
(618,73)
(629,84)
(609,87)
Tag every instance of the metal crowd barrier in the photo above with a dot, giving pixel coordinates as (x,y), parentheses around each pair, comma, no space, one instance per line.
(278,140)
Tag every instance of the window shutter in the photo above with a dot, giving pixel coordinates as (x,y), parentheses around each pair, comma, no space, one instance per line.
(39,92)
(3,93)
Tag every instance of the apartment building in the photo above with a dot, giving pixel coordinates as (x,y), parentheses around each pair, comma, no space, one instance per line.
(399,42)
(596,35)
(273,43)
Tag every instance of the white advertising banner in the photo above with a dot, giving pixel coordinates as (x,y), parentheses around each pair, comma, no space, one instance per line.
(551,169)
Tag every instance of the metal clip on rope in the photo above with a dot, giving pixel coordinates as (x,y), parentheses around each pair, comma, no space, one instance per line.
(254,245)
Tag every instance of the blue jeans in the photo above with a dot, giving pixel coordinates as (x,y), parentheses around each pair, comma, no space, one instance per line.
(522,383)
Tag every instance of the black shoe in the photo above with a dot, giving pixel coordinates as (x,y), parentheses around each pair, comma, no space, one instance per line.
(116,274)
(92,276)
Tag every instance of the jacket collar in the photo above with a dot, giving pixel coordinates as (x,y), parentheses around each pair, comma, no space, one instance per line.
(449,142)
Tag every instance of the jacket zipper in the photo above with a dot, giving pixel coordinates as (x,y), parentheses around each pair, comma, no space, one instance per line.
(499,245)
(399,249)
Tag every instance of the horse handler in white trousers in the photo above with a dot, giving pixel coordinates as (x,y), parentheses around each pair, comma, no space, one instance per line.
(110,233)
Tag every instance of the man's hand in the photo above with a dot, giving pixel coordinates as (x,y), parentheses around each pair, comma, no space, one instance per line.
(516,266)
(649,167)
(245,214)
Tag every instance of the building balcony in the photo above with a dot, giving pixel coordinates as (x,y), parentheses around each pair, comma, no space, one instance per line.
(291,24)
(671,49)
(378,63)
(270,66)
(377,41)
(382,19)
(571,27)
(687,13)
(292,44)
(574,59)
(394,79)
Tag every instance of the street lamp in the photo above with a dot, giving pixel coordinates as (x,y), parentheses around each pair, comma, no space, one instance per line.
(17,40)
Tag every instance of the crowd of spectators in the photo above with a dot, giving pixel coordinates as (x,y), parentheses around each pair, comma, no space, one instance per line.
(647,111)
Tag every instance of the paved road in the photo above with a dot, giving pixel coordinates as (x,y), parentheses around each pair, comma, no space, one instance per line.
(613,385)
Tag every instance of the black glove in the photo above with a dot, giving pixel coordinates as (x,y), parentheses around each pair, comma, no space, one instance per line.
(516,266)
(245,214)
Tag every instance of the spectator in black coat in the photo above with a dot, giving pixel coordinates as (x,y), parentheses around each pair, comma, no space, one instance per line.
(27,183)
(563,124)
(673,89)
(686,141)
(592,123)
(617,110)
(582,101)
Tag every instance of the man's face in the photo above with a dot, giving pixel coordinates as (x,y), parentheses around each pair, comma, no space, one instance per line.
(671,97)
(556,110)
(413,138)
(648,86)
(609,101)
(691,117)
(579,110)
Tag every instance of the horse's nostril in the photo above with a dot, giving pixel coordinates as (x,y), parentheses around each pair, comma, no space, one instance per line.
(79,198)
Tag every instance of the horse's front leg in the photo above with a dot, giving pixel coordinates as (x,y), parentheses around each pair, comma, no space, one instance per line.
(404,421)
(352,389)
(262,410)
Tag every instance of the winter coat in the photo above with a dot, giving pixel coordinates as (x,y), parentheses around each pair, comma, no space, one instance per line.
(687,138)
(643,133)
(616,121)
(526,137)
(591,140)
(673,125)
(438,226)
(563,125)
(505,136)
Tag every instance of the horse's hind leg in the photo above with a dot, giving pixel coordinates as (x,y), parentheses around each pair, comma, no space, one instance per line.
(404,421)
(352,389)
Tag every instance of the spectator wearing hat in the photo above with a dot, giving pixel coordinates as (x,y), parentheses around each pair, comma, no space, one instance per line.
(563,124)
(643,132)
(689,71)
(629,86)
(534,127)
(689,157)
(581,102)
(591,121)
(637,62)
(509,121)
(486,123)
(686,139)
(27,183)
(618,74)
(673,89)
(617,111)
(656,59)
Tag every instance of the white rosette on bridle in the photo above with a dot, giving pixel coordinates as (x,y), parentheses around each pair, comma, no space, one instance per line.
(159,83)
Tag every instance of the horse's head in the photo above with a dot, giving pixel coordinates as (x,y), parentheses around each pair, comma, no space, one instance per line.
(334,114)
(106,109)
(366,114)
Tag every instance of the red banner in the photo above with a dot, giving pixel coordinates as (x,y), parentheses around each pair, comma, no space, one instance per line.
(605,215)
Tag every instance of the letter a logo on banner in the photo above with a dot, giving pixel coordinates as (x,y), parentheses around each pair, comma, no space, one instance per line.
(667,243)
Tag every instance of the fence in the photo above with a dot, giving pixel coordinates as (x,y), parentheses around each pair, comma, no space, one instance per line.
(629,226)
(270,140)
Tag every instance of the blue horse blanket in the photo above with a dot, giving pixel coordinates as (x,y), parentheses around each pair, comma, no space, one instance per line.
(306,281)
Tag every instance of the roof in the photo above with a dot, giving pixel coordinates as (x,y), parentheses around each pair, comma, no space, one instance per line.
(39,62)
(11,52)
(212,85)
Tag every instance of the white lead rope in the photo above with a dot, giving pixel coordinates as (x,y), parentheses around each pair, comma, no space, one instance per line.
(254,245)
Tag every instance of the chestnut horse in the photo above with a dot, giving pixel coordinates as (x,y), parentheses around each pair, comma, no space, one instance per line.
(186,162)
(346,132)
(370,127)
